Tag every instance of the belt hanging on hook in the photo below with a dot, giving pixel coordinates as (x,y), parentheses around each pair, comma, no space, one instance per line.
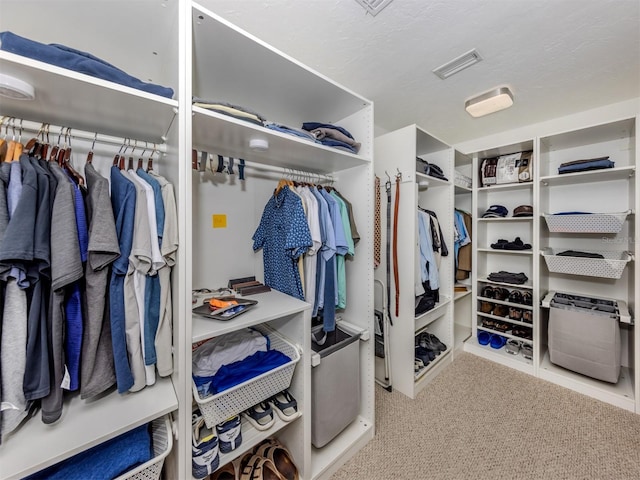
(387,187)
(395,242)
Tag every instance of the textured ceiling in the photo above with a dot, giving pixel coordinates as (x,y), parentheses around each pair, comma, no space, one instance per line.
(557,56)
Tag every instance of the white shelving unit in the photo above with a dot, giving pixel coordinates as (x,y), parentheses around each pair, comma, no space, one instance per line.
(288,93)
(71,99)
(183,47)
(612,191)
(397,151)
(617,191)
(487,260)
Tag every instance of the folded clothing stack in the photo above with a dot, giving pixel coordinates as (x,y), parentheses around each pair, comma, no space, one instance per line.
(585,164)
(76,60)
(235,111)
(576,253)
(229,360)
(508,277)
(332,136)
(430,169)
(278,127)
(517,244)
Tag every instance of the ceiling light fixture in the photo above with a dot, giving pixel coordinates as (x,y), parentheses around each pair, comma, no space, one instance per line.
(489,102)
(14,88)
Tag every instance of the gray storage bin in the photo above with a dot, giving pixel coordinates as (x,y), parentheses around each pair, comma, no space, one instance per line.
(335,385)
(584,336)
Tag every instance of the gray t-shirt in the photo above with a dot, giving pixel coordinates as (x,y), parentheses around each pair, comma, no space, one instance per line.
(97,372)
(66,268)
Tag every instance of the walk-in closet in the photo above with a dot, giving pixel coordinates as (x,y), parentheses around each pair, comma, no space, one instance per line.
(218,249)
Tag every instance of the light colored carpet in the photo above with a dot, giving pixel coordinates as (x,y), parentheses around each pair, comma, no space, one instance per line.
(480,420)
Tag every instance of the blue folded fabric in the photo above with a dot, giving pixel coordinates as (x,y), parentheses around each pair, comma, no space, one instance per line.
(313,125)
(330,142)
(238,372)
(105,461)
(589,165)
(76,60)
(292,131)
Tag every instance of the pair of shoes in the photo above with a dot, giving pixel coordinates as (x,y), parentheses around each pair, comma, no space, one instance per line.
(430,342)
(285,406)
(229,434)
(260,416)
(493,339)
(497,293)
(270,460)
(205,456)
(523,332)
(417,365)
(514,347)
(517,244)
(523,298)
(233,469)
(425,355)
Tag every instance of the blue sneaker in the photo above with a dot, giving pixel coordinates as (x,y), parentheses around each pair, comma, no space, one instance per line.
(230,434)
(205,457)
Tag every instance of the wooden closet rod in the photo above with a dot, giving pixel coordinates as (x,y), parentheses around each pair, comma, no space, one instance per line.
(54,131)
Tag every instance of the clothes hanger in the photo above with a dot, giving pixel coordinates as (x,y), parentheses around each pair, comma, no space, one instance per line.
(122,157)
(116,157)
(141,160)
(79,179)
(3,142)
(45,143)
(90,154)
(150,161)
(130,164)
(18,147)
(32,144)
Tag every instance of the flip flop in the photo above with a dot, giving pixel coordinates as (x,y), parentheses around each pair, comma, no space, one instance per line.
(285,405)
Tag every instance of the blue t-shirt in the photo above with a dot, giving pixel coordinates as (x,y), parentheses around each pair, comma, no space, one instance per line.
(283,235)
(123,201)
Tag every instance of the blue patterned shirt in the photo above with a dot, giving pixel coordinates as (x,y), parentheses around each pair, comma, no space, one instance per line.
(283,235)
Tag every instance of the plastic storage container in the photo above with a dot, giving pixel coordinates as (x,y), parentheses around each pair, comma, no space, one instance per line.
(611,266)
(335,385)
(586,222)
(584,335)
(232,401)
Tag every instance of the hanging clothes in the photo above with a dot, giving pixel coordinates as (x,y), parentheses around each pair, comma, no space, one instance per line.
(283,235)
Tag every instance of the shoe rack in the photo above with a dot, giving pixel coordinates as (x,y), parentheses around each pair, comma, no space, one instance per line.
(612,194)
(488,260)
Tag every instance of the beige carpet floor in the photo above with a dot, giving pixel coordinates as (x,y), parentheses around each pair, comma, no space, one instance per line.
(480,420)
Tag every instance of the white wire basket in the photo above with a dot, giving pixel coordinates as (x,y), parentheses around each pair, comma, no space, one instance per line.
(162,442)
(217,408)
(611,266)
(586,222)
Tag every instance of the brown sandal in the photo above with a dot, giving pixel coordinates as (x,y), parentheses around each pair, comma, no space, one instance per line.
(281,458)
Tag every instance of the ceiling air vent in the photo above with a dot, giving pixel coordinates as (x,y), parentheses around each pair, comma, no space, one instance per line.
(458,64)
(374,7)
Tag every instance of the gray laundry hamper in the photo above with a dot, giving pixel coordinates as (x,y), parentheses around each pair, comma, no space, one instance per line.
(335,384)
(584,335)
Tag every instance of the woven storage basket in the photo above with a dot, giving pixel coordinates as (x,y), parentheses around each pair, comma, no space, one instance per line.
(587,222)
(611,266)
(217,408)
(162,442)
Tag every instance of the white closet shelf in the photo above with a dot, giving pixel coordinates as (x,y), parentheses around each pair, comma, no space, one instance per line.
(499,355)
(507,320)
(459,189)
(83,425)
(71,99)
(506,186)
(603,175)
(221,134)
(527,285)
(502,302)
(271,306)
(349,441)
(432,364)
(459,295)
(505,219)
(427,181)
(432,315)
(620,394)
(508,252)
